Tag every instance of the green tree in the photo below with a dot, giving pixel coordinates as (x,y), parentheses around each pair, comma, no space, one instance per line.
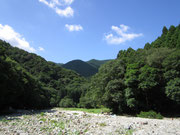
(114,95)
(173,90)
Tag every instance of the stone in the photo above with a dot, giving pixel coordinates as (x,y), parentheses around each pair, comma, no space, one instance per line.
(145,123)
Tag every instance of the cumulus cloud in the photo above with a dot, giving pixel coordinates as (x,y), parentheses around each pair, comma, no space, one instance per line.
(121,35)
(41,49)
(8,34)
(68,2)
(67,12)
(61,7)
(73,27)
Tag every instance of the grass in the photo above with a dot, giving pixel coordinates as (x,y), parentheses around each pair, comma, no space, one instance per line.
(61,124)
(43,119)
(125,132)
(26,116)
(151,115)
(102,124)
(129,132)
(42,114)
(14,124)
(96,110)
(4,120)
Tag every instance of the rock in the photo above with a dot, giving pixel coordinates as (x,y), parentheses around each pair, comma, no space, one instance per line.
(128,127)
(145,123)
(23,134)
(68,123)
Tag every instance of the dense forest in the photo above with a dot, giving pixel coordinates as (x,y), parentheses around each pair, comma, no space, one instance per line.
(143,79)
(26,77)
(137,80)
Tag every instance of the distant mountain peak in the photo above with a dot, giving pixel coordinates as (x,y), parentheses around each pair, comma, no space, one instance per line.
(85,69)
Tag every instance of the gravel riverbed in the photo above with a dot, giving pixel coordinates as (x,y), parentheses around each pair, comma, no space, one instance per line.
(61,122)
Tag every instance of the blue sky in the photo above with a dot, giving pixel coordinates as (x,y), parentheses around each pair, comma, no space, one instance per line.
(63,30)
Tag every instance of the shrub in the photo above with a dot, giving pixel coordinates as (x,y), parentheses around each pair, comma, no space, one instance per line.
(67,102)
(150,114)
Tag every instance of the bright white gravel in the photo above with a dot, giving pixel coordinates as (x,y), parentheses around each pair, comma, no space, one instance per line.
(60,122)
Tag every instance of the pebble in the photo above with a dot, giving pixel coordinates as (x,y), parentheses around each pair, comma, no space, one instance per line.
(76,122)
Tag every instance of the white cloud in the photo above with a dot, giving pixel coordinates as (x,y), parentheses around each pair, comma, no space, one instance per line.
(68,2)
(41,49)
(49,4)
(121,35)
(8,34)
(67,12)
(61,7)
(73,27)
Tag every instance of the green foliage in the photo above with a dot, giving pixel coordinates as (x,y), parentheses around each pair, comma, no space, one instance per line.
(137,80)
(143,79)
(42,114)
(150,114)
(29,81)
(102,124)
(81,67)
(67,102)
(173,90)
(18,88)
(169,38)
(113,96)
(86,69)
(97,63)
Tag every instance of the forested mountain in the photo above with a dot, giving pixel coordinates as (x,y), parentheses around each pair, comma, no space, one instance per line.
(143,79)
(81,67)
(60,64)
(23,72)
(17,87)
(137,80)
(97,63)
(86,69)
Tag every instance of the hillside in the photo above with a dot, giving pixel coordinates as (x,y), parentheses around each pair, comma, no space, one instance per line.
(86,69)
(137,80)
(58,84)
(97,63)
(81,67)
(17,87)
(140,80)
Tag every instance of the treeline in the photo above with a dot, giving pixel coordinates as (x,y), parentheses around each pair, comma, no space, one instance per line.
(17,87)
(137,80)
(140,80)
(29,81)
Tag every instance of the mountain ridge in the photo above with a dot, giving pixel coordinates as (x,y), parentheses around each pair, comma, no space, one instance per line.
(84,68)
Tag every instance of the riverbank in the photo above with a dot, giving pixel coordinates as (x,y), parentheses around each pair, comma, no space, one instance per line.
(58,121)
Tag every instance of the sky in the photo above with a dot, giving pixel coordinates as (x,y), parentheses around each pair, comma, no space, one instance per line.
(64,30)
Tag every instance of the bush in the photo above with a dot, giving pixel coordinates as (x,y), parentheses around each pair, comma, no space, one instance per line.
(67,102)
(151,114)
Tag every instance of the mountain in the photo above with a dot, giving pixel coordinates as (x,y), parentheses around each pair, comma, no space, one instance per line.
(81,67)
(137,80)
(97,63)
(28,80)
(59,64)
(86,69)
(18,89)
(140,80)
